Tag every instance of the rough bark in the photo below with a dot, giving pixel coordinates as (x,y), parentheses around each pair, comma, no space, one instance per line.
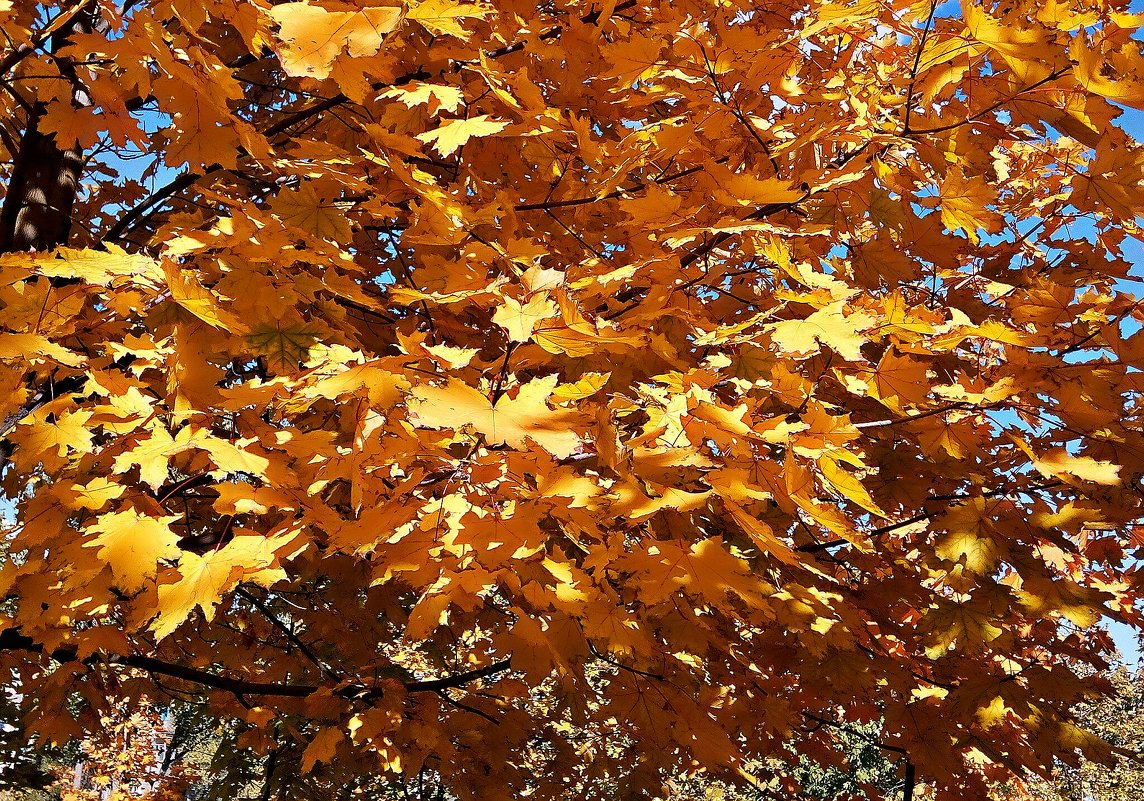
(36,214)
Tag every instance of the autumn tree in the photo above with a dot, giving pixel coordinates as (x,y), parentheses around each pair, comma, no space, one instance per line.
(555,399)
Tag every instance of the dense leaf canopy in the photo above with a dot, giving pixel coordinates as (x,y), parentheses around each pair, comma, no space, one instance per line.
(564,396)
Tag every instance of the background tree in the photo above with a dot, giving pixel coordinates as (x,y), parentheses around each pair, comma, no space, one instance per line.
(1117,717)
(558,398)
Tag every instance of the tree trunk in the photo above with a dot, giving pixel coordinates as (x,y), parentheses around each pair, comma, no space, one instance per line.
(45,176)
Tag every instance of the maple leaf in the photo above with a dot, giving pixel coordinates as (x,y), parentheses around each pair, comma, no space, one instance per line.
(108,267)
(283,348)
(443,17)
(511,421)
(39,436)
(453,134)
(133,545)
(1060,463)
(36,347)
(151,456)
(960,625)
(711,569)
(761,533)
(587,384)
(902,378)
(828,326)
(964,204)
(636,59)
(848,484)
(96,494)
(313,37)
(203,580)
(520,320)
(304,209)
(438,97)
(198,300)
(1024,48)
(743,188)
(70,125)
(322,748)
(978,552)
(1118,75)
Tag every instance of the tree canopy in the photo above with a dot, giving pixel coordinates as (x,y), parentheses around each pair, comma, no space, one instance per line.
(563,397)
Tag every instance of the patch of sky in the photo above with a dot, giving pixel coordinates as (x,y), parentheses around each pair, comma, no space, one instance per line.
(949,8)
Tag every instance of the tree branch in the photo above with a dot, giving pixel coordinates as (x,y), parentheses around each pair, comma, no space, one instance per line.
(1052,76)
(27,48)
(908,784)
(13,640)
(290,635)
(953,407)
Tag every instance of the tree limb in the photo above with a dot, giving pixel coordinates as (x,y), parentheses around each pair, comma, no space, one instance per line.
(13,640)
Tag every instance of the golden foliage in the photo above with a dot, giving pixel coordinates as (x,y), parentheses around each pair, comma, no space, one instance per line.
(565,395)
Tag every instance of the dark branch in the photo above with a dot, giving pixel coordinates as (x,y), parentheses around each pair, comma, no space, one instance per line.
(13,640)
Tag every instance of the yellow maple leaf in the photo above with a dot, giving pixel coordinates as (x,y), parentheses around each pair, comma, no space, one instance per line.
(71,126)
(37,436)
(1058,461)
(204,579)
(901,378)
(36,348)
(312,37)
(443,17)
(1117,75)
(132,545)
(588,384)
(520,320)
(230,457)
(1082,606)
(95,494)
(512,421)
(655,207)
(191,295)
(963,205)
(964,625)
(761,533)
(848,484)
(746,189)
(453,134)
(828,326)
(636,59)
(102,267)
(438,97)
(992,713)
(283,348)
(322,748)
(1028,52)
(978,550)
(151,456)
(710,569)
